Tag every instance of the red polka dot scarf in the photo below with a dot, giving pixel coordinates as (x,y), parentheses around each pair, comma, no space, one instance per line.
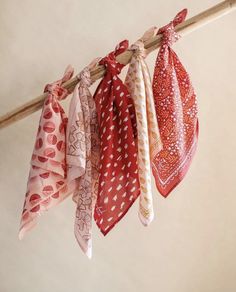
(47,184)
(176,109)
(118,173)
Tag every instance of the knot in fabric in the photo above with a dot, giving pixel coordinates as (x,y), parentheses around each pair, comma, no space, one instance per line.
(111,64)
(139,49)
(57,90)
(169,35)
(85,77)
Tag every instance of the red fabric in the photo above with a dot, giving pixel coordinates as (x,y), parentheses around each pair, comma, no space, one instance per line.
(176,109)
(118,174)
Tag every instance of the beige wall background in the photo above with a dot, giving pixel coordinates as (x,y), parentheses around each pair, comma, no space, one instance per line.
(190,246)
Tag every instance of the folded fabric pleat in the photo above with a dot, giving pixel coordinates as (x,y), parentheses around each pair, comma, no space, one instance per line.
(138,82)
(47,183)
(176,110)
(118,174)
(83,157)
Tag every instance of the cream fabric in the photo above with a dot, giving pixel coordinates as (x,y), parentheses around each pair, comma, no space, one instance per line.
(139,85)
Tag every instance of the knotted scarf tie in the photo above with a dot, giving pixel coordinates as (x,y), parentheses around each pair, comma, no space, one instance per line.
(83,157)
(138,82)
(47,184)
(118,173)
(176,109)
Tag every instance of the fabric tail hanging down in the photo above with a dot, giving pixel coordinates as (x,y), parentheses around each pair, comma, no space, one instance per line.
(176,109)
(118,173)
(83,157)
(138,82)
(47,183)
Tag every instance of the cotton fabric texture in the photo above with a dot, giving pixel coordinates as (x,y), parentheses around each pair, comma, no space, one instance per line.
(118,174)
(139,85)
(83,157)
(47,183)
(176,109)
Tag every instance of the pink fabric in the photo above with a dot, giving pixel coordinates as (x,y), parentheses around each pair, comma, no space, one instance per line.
(176,109)
(118,173)
(83,157)
(47,183)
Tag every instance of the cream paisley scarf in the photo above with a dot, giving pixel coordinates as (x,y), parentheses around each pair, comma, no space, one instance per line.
(139,85)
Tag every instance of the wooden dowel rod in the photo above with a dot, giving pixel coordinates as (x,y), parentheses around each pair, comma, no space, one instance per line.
(187,26)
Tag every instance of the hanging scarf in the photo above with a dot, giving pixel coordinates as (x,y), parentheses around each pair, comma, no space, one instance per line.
(118,173)
(176,109)
(138,82)
(83,157)
(47,185)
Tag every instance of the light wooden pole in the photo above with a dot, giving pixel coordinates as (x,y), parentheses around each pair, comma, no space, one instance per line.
(184,28)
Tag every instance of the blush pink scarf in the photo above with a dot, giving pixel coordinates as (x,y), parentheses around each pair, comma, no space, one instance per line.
(47,183)
(83,157)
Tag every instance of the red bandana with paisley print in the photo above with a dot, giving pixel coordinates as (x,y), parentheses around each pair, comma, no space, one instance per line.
(176,109)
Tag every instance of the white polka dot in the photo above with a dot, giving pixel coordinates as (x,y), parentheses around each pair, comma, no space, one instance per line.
(120,104)
(106,200)
(122,205)
(119,187)
(119,158)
